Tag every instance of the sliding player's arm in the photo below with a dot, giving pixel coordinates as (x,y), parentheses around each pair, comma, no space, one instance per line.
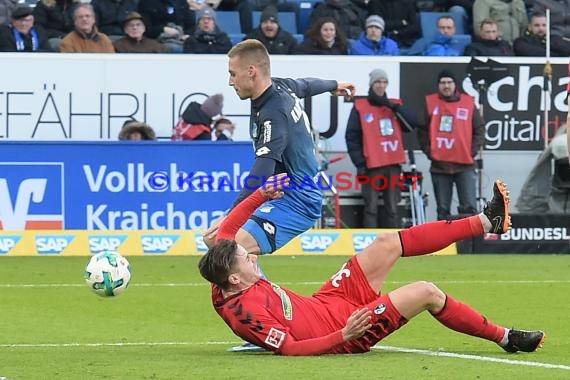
(264,330)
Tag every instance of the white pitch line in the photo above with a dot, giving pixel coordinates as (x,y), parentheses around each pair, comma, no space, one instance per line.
(472,357)
(196,284)
(111,344)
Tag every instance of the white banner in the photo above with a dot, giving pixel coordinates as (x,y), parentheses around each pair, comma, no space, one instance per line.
(89,96)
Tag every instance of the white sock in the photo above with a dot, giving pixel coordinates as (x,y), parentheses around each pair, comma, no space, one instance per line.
(505,339)
(485,222)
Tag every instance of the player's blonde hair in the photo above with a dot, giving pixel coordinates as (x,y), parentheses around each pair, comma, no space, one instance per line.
(252,52)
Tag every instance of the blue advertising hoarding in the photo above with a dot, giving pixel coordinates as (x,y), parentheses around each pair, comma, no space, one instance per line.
(119,185)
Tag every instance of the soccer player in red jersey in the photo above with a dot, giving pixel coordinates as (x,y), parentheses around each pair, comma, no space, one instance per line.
(349,314)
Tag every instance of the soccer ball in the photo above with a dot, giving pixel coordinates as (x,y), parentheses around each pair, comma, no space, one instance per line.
(108,274)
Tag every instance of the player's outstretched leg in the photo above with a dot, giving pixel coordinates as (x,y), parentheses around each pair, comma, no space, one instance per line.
(431,237)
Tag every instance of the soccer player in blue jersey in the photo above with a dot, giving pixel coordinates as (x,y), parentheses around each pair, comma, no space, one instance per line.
(283,143)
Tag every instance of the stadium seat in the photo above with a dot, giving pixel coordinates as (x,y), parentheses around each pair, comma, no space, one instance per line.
(299,38)
(428,21)
(236,37)
(287,21)
(422,43)
(306,7)
(228,21)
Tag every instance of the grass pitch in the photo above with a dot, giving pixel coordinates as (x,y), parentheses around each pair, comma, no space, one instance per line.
(164,327)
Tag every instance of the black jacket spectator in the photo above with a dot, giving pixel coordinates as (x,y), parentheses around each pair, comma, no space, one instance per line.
(350,17)
(402,23)
(530,45)
(8,40)
(111,13)
(283,43)
(202,42)
(158,13)
(489,48)
(55,16)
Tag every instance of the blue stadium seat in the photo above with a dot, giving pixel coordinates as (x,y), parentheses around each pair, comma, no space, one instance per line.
(422,43)
(287,21)
(428,21)
(236,37)
(306,7)
(299,38)
(228,21)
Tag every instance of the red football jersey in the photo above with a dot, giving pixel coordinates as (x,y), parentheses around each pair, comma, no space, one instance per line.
(273,317)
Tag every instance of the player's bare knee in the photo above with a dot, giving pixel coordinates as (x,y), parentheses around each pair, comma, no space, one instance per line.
(430,294)
(388,243)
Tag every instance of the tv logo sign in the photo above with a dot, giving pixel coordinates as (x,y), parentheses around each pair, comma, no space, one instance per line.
(31,196)
(8,242)
(158,243)
(52,244)
(100,243)
(361,241)
(317,242)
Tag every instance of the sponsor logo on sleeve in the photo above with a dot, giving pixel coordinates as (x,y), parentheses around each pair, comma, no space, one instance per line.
(275,338)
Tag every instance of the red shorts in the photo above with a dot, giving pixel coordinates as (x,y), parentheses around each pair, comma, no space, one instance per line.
(349,290)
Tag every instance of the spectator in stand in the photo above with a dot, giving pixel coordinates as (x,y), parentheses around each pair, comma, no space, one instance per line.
(135,41)
(135,131)
(6,8)
(488,43)
(110,15)
(85,38)
(208,38)
(56,18)
(510,15)
(168,21)
(371,40)
(349,17)
(444,43)
(463,8)
(559,15)
(402,23)
(533,42)
(21,35)
(224,129)
(324,37)
(275,39)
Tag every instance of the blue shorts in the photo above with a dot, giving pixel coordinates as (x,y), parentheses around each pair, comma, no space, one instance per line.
(277,222)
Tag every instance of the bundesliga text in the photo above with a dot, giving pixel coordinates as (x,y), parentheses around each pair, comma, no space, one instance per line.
(193,181)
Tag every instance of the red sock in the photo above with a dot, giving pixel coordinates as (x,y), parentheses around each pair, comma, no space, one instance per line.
(431,237)
(464,319)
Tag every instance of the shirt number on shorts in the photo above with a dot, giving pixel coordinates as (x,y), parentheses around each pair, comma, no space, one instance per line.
(343,272)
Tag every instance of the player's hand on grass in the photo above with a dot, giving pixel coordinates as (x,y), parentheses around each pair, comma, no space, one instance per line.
(357,324)
(346,89)
(273,187)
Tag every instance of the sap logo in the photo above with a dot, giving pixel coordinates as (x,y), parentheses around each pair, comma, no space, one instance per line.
(99,243)
(158,243)
(361,241)
(8,242)
(47,244)
(200,245)
(317,242)
(31,196)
